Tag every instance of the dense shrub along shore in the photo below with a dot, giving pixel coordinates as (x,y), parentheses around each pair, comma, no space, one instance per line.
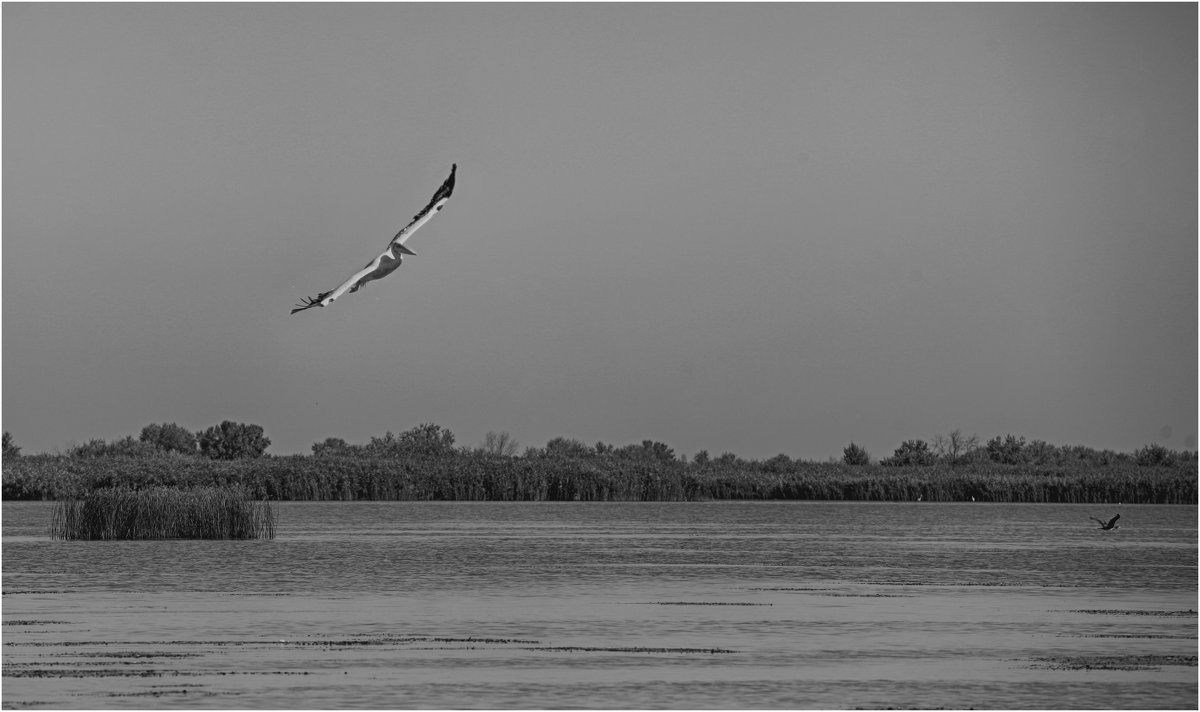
(423,463)
(460,474)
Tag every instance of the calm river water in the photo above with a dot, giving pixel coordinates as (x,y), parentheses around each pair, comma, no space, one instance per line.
(614,605)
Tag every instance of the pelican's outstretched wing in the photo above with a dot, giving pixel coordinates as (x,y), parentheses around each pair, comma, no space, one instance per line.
(1112,522)
(392,255)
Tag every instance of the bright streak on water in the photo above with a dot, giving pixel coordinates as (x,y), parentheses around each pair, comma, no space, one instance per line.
(616,605)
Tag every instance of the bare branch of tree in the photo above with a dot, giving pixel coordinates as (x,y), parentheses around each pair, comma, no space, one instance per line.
(499,444)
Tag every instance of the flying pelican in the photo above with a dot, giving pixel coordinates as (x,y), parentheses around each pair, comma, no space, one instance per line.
(1110,524)
(390,258)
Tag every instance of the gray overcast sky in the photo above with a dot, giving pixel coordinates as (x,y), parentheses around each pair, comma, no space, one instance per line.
(751,228)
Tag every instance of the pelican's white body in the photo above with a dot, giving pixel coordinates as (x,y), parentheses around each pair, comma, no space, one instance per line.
(394,247)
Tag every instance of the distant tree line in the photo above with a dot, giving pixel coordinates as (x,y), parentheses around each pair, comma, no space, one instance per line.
(957,449)
(231,440)
(227,441)
(424,462)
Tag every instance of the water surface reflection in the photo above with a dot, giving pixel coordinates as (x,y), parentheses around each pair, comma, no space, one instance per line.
(685,605)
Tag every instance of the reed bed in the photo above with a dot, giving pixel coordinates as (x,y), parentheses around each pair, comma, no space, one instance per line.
(163,513)
(469,476)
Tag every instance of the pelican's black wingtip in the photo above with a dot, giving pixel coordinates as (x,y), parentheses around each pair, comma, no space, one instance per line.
(308,303)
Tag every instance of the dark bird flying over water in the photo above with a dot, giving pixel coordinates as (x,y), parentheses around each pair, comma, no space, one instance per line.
(390,258)
(1110,524)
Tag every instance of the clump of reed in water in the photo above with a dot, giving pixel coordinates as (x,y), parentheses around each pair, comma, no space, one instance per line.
(164,513)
